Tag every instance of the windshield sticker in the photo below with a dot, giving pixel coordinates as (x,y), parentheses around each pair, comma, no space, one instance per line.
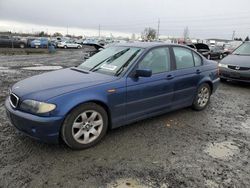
(109,67)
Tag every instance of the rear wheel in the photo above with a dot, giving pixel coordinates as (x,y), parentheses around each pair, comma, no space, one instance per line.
(65,47)
(202,97)
(85,126)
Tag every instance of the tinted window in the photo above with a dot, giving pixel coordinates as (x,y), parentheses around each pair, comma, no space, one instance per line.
(197,59)
(157,60)
(183,57)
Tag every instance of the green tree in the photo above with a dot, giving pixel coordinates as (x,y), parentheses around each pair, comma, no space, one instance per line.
(57,34)
(41,34)
(247,38)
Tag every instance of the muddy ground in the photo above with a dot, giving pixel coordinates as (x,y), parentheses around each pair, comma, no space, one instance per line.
(184,148)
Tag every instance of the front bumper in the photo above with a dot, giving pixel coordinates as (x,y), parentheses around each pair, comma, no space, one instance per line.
(45,129)
(234,75)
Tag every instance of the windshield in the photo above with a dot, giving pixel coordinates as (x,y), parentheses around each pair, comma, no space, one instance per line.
(244,49)
(112,61)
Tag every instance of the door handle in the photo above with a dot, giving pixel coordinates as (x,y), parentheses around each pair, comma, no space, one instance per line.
(198,71)
(170,77)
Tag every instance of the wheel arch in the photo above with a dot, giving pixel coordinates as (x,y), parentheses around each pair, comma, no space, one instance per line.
(210,85)
(98,102)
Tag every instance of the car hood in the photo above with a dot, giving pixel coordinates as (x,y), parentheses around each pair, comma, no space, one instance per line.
(48,85)
(237,60)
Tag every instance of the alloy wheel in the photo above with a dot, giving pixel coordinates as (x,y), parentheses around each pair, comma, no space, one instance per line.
(87,127)
(203,96)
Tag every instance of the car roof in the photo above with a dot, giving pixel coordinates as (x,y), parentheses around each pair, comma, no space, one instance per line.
(142,44)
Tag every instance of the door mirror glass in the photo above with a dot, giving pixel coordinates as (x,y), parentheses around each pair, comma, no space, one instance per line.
(143,73)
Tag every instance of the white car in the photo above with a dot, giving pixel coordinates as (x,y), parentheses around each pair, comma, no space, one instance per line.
(68,44)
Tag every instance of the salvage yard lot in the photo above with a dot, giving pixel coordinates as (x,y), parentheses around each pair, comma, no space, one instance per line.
(184,148)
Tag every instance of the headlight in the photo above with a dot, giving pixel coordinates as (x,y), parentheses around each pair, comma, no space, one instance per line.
(222,65)
(37,107)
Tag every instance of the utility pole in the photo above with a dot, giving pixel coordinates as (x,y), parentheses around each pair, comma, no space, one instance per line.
(99,30)
(67,29)
(158,29)
(233,35)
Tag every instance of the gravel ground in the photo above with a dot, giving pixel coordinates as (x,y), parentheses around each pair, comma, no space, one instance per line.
(184,148)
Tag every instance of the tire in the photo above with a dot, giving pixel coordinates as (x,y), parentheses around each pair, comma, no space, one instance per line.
(78,47)
(221,56)
(21,45)
(36,46)
(202,97)
(87,119)
(65,47)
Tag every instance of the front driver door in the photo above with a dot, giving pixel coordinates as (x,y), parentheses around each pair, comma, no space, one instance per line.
(149,95)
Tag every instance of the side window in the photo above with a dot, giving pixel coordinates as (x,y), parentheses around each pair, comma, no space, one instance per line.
(197,60)
(183,57)
(157,60)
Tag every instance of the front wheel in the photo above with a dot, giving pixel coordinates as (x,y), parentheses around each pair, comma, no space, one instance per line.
(202,97)
(85,126)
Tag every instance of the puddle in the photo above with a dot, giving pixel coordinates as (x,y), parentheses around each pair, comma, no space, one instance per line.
(7,70)
(210,183)
(4,68)
(246,124)
(43,68)
(126,183)
(222,150)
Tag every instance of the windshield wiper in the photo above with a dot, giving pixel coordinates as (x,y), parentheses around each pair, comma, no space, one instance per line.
(120,70)
(79,70)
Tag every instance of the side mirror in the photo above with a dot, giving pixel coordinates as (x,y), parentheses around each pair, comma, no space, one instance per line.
(143,73)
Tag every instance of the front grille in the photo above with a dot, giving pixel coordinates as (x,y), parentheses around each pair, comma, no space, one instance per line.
(238,68)
(14,100)
(240,77)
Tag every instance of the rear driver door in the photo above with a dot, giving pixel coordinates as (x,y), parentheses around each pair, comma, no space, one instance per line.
(187,75)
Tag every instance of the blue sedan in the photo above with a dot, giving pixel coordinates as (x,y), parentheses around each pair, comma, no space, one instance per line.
(117,86)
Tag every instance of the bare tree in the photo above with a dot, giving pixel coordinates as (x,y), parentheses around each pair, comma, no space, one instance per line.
(149,34)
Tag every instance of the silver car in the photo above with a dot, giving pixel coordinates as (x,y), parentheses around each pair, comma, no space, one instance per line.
(236,66)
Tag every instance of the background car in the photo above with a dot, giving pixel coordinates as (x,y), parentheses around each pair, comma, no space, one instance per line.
(203,49)
(39,43)
(216,52)
(68,44)
(231,46)
(236,66)
(12,42)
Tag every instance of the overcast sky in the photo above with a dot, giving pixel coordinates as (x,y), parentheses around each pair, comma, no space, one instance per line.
(204,18)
